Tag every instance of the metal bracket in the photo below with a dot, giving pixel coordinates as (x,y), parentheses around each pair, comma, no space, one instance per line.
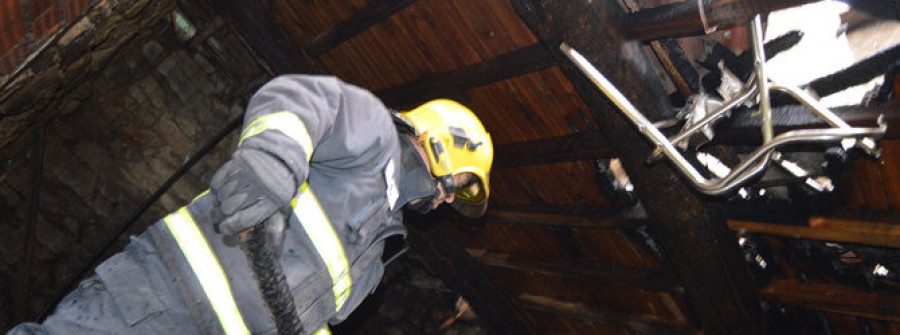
(758,86)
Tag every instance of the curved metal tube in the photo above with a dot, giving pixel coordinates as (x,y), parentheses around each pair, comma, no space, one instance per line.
(749,168)
(867,144)
(747,93)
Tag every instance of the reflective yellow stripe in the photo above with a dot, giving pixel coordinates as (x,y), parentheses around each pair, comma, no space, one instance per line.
(326,241)
(323,331)
(285,122)
(208,270)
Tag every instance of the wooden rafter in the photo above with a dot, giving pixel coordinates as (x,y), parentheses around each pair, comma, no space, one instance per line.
(829,229)
(599,274)
(641,324)
(575,147)
(697,17)
(522,61)
(835,299)
(372,14)
(605,218)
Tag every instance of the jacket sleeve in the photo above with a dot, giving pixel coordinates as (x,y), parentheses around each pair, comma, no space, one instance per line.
(293,115)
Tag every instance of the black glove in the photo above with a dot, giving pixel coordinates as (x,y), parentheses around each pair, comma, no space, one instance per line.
(249,188)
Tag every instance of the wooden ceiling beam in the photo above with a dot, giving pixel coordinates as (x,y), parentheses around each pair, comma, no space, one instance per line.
(691,18)
(691,230)
(835,299)
(829,229)
(576,147)
(512,64)
(611,218)
(373,13)
(743,129)
(463,274)
(641,324)
(599,274)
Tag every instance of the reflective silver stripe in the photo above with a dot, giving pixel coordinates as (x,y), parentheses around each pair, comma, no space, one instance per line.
(208,270)
(286,122)
(326,242)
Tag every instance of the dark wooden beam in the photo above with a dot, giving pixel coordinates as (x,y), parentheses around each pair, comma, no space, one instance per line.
(575,147)
(690,18)
(835,299)
(744,129)
(462,274)
(256,25)
(690,228)
(610,218)
(829,229)
(370,15)
(640,324)
(525,60)
(600,274)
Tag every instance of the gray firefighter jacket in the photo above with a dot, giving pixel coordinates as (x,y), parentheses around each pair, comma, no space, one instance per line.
(356,173)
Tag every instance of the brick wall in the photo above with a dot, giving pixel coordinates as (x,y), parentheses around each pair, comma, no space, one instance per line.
(117,137)
(26,24)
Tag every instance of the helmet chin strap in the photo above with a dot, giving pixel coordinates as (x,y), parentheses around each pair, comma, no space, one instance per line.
(449,183)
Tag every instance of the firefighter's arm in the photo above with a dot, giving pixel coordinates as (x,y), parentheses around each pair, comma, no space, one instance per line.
(284,123)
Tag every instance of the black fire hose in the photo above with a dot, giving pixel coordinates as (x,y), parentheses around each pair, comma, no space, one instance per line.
(270,277)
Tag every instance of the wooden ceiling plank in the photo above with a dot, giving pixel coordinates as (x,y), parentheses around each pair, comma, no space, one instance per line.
(835,299)
(641,324)
(519,62)
(825,229)
(575,147)
(611,218)
(704,253)
(374,13)
(600,274)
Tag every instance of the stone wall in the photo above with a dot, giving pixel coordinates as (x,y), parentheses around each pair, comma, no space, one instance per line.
(114,140)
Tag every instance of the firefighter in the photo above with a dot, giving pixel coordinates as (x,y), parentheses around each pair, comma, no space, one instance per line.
(329,169)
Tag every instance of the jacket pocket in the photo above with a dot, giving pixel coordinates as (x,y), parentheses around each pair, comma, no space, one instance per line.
(129,286)
(361,226)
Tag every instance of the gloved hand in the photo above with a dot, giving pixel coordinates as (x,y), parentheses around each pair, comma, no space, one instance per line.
(250,188)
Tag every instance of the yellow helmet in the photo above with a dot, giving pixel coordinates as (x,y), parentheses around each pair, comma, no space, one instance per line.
(455,142)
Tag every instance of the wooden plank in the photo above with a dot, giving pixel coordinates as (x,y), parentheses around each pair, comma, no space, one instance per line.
(462,274)
(600,218)
(835,299)
(703,252)
(687,18)
(256,25)
(370,15)
(575,147)
(525,60)
(640,324)
(600,274)
(828,229)
(743,129)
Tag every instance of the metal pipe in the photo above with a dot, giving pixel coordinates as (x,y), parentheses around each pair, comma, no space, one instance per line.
(823,112)
(748,169)
(748,92)
(762,81)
